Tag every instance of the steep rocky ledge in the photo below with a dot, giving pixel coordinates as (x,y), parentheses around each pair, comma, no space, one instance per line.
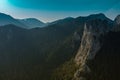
(94,31)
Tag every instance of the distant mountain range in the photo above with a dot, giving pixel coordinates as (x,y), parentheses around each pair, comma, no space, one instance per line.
(32,22)
(82,48)
(24,23)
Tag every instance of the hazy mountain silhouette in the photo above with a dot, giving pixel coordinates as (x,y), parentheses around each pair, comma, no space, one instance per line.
(7,19)
(23,23)
(32,22)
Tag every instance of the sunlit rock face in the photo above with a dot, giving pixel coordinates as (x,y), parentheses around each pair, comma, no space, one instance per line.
(94,31)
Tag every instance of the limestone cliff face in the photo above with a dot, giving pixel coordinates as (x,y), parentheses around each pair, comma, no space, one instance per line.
(91,42)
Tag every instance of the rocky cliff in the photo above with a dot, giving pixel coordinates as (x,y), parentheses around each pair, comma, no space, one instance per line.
(94,31)
(117,20)
(87,49)
(117,24)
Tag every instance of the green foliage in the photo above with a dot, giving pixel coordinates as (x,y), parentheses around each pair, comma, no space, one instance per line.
(106,64)
(34,54)
(65,71)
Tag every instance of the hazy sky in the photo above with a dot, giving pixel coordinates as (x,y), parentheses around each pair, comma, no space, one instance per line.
(50,10)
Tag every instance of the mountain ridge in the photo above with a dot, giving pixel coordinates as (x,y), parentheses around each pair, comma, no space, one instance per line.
(28,23)
(42,53)
(32,22)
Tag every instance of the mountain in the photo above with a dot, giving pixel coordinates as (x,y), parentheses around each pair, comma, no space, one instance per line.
(32,22)
(97,57)
(117,23)
(23,23)
(105,65)
(35,48)
(7,19)
(62,21)
(117,20)
(97,53)
(82,48)
(100,16)
(94,31)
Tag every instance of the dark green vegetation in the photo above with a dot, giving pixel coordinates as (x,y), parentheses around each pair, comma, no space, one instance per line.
(106,65)
(48,53)
(35,53)
(65,71)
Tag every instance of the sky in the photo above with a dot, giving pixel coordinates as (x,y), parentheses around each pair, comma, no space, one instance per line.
(51,10)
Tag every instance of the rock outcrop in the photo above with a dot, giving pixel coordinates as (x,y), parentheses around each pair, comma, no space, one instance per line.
(117,24)
(117,20)
(94,31)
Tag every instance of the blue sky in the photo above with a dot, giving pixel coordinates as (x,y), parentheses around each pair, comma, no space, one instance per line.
(50,10)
